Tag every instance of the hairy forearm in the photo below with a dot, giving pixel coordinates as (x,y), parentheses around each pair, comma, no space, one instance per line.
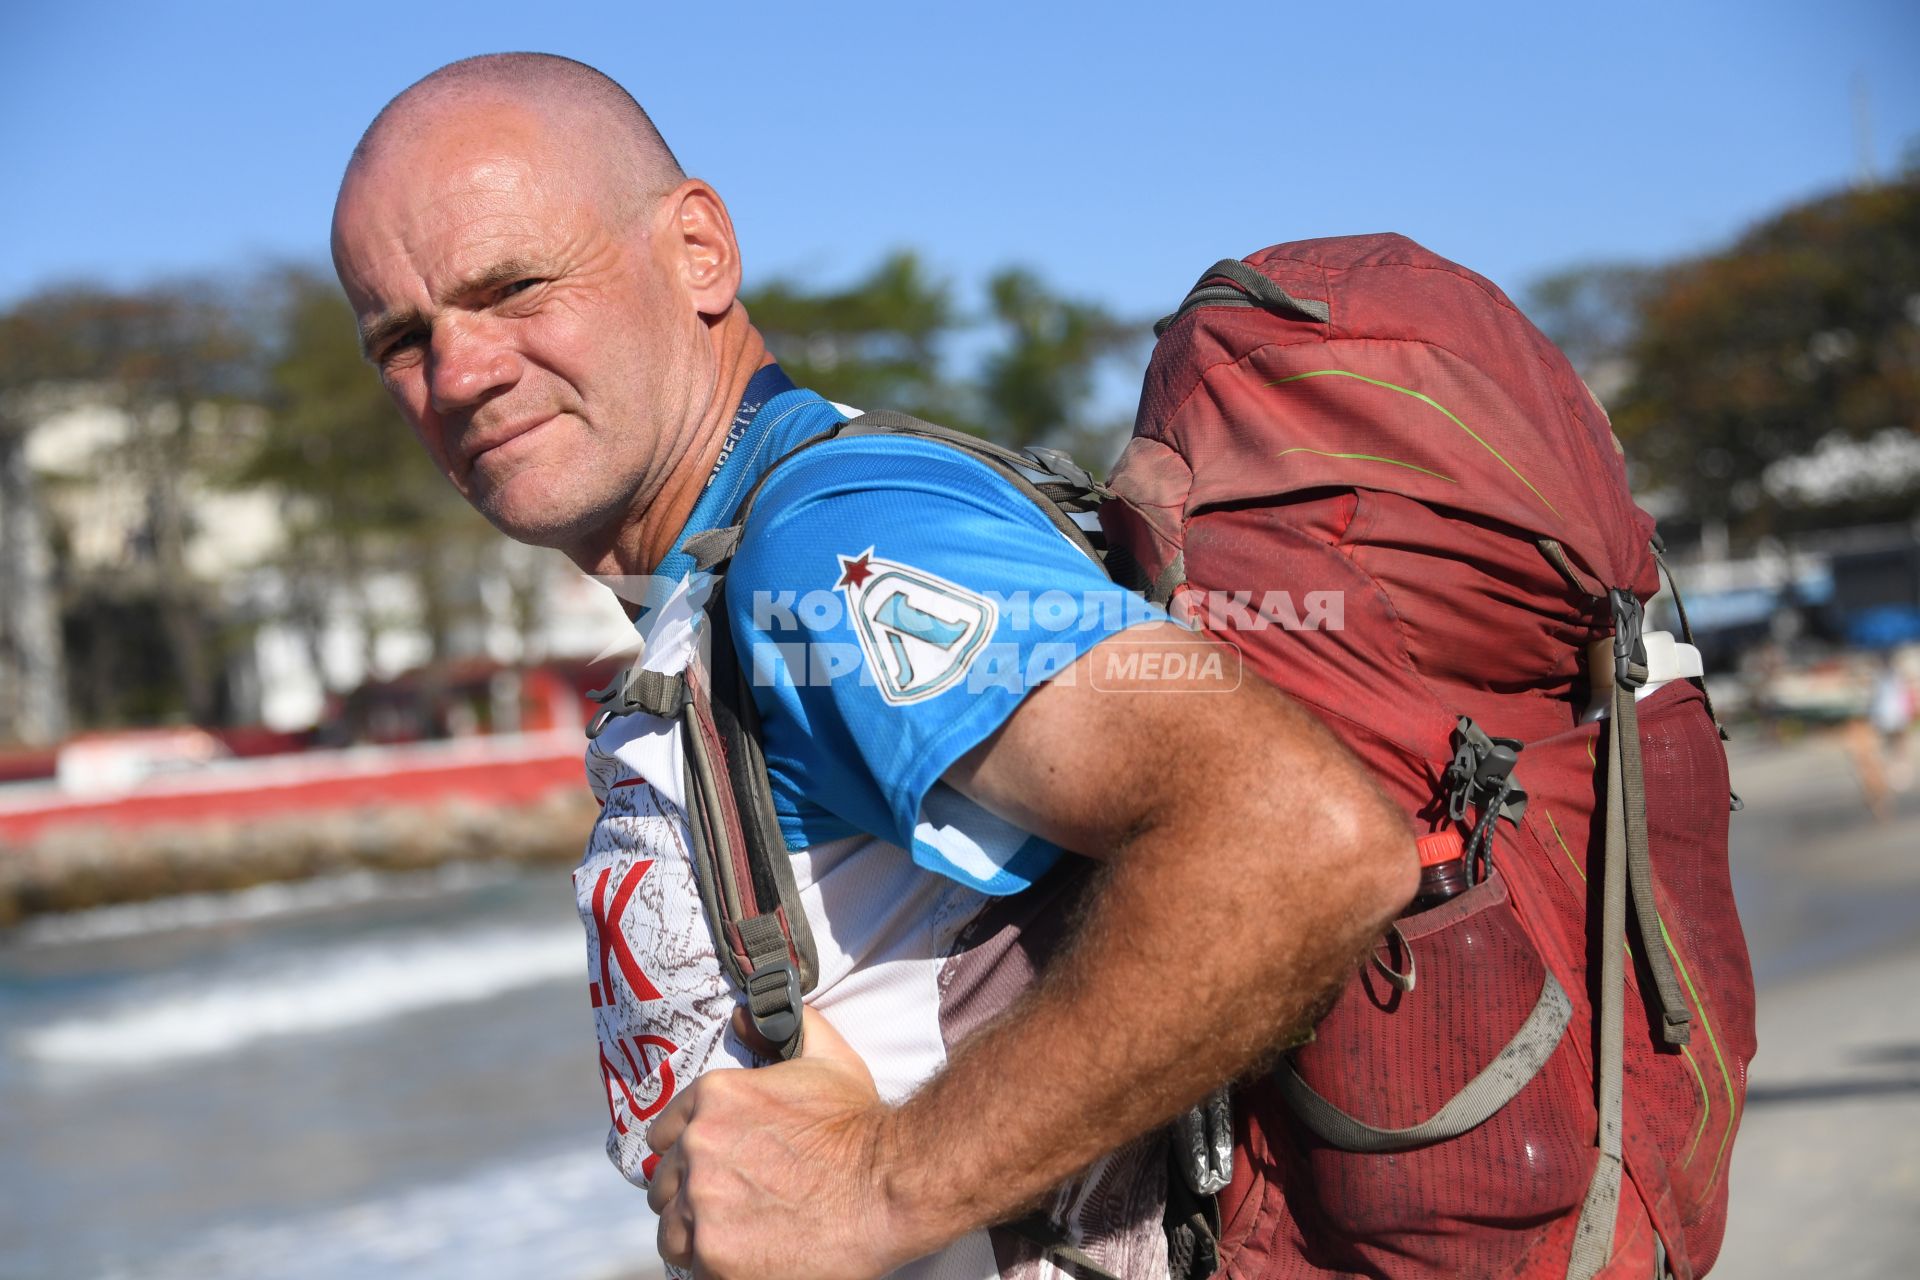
(1217,928)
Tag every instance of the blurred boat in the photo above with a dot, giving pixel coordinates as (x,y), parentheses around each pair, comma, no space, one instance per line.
(128,785)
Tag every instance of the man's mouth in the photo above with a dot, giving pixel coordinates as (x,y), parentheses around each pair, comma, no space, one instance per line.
(500,443)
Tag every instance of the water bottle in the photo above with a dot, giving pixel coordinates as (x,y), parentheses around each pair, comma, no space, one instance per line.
(1443,869)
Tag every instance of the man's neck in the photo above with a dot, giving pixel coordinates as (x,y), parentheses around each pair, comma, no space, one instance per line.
(649,533)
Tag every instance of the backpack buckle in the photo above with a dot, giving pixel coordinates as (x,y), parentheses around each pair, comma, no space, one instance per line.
(1480,769)
(1059,464)
(1629,644)
(773,1002)
(638,689)
(1481,775)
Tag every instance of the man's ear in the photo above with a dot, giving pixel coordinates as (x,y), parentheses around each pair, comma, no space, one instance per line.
(698,231)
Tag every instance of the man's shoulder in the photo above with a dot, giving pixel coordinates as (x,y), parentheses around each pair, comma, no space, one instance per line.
(905,492)
(868,465)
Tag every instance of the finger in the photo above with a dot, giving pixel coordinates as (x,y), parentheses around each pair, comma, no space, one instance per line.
(749,1035)
(675,1237)
(664,1185)
(669,1124)
(821,1041)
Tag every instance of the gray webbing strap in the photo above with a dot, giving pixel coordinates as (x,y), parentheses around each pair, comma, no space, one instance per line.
(885,422)
(656,693)
(728,779)
(1557,557)
(1249,286)
(768,975)
(1630,674)
(1268,294)
(1676,1020)
(772,985)
(638,689)
(1593,1235)
(1168,580)
(736,722)
(710,546)
(1010,465)
(1072,489)
(705,797)
(1043,1231)
(1498,1083)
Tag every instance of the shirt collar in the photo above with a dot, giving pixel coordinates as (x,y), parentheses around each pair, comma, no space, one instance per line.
(774,416)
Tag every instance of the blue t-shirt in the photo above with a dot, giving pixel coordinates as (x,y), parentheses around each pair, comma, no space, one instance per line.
(893,601)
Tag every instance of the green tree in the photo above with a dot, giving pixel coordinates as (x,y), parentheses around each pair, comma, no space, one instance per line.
(1806,331)
(174,359)
(362,495)
(876,343)
(1038,385)
(33,703)
(1592,311)
(889,340)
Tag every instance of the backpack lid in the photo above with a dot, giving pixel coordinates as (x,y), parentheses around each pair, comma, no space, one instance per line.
(1423,379)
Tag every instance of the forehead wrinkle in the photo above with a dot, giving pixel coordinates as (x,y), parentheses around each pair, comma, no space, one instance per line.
(485,254)
(475,283)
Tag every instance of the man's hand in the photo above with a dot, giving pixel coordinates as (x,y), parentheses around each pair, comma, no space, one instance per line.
(772,1172)
(1250,863)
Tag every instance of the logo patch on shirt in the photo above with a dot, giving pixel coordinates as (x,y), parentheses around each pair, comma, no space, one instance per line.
(918,631)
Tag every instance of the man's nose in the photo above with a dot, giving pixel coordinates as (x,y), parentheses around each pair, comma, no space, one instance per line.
(467,365)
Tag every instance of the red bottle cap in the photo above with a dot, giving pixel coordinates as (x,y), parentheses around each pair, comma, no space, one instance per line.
(1439,847)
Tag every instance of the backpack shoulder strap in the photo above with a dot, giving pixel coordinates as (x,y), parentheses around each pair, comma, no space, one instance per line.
(747,891)
(745,873)
(1049,478)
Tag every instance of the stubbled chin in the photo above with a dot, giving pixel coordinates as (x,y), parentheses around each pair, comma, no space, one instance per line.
(545,507)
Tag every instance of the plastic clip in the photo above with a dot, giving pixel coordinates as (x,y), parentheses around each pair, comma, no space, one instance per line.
(1481,775)
(778,1023)
(1481,767)
(1629,644)
(1062,466)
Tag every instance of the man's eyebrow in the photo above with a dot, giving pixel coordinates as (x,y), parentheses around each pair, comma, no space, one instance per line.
(481,282)
(376,334)
(491,278)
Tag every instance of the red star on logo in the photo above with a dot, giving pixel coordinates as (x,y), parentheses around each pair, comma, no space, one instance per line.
(854,573)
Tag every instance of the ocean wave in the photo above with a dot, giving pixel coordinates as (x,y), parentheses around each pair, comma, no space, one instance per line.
(258,902)
(568,1216)
(369,980)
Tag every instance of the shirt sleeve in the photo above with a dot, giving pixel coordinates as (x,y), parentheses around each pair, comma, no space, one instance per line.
(893,601)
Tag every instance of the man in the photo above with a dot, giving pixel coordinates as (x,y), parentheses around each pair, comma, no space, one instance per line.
(554,307)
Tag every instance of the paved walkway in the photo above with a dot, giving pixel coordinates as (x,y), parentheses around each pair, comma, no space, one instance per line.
(1826,1171)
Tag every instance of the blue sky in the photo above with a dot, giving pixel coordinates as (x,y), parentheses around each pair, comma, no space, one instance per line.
(1119,147)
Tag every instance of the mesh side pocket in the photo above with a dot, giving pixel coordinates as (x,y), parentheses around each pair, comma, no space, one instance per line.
(1393,1059)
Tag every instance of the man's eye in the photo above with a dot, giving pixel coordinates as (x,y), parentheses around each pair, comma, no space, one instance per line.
(398,347)
(520,286)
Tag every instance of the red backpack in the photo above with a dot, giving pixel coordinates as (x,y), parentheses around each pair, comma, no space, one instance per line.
(1543,1075)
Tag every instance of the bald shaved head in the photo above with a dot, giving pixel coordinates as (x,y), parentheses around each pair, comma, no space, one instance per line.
(585,105)
(551,302)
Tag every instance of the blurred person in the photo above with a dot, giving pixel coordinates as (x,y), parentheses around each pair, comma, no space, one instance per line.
(554,306)
(1876,735)
(1890,710)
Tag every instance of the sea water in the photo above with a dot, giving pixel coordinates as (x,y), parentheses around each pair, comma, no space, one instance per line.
(367,1076)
